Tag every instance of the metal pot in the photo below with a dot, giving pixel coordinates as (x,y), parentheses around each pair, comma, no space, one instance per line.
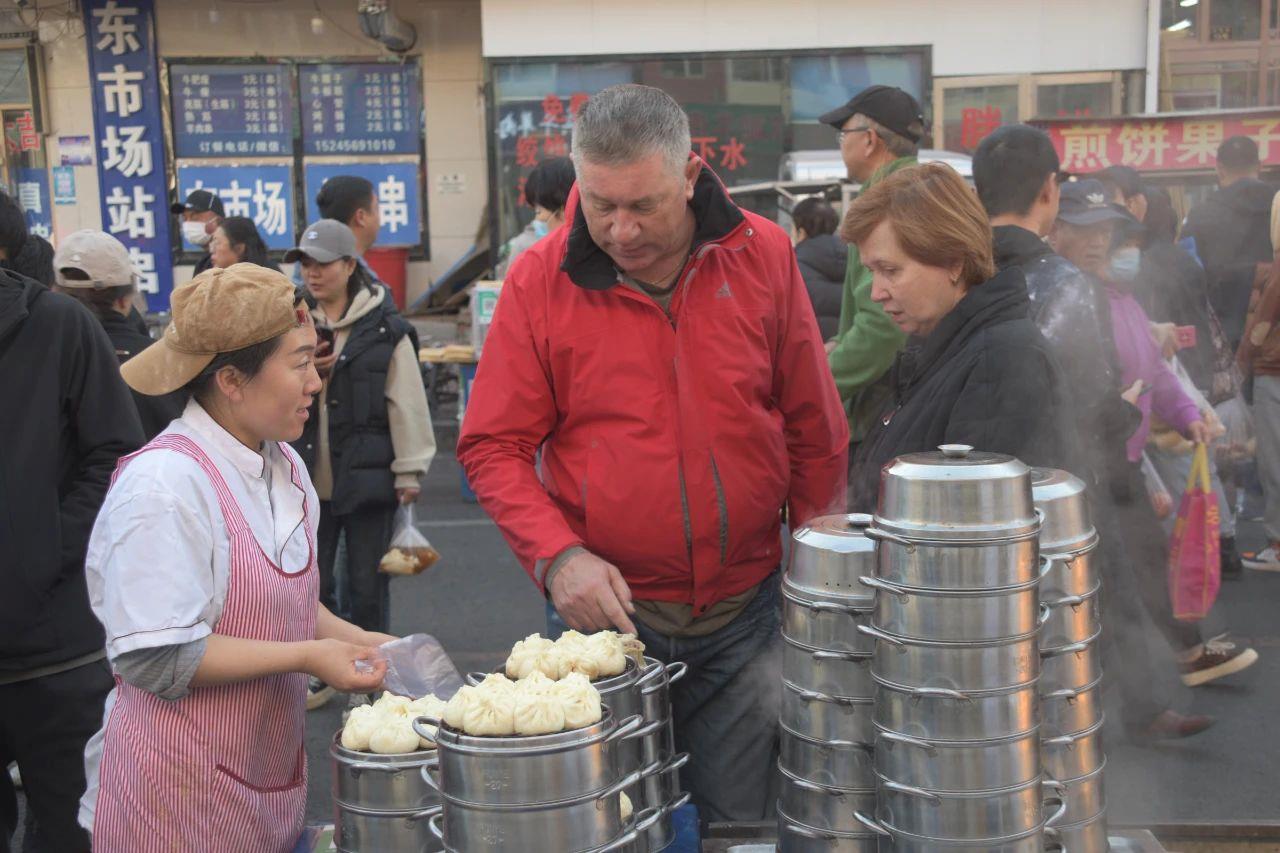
(949,615)
(1064,712)
(935,713)
(1089,836)
(592,823)
(1060,496)
(906,842)
(658,746)
(822,716)
(958,765)
(822,806)
(1074,756)
(1070,667)
(796,837)
(992,665)
(519,770)
(655,687)
(834,763)
(836,673)
(1085,796)
(956,565)
(658,833)
(380,783)
(825,621)
(966,815)
(1069,572)
(361,830)
(956,493)
(1071,619)
(830,553)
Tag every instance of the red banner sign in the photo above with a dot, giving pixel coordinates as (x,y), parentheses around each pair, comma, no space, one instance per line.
(1172,143)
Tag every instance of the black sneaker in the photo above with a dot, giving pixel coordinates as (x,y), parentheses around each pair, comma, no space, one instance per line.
(318,693)
(1220,658)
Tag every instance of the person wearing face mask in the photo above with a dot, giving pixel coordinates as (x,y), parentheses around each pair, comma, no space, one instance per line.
(546,191)
(200,214)
(1141,360)
(369,439)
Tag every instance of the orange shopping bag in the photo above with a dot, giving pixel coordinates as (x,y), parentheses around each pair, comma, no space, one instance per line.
(1195,566)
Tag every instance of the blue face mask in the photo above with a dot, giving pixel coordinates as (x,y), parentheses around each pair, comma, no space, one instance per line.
(1125,264)
(539,228)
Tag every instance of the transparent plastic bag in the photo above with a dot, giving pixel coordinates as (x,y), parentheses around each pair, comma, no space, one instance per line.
(1237,420)
(410,552)
(417,665)
(1161,500)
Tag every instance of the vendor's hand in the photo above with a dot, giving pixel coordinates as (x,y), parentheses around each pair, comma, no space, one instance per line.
(1198,432)
(324,360)
(334,663)
(1131,394)
(590,595)
(408,495)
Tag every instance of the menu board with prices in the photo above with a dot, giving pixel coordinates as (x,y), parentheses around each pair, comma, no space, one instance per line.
(397,187)
(232,110)
(366,108)
(263,193)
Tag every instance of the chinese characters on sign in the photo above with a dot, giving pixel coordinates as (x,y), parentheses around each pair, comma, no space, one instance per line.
(126,115)
(397,186)
(372,108)
(261,193)
(1177,143)
(33,197)
(232,110)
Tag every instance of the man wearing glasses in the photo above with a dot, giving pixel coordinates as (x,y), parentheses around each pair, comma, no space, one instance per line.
(879,131)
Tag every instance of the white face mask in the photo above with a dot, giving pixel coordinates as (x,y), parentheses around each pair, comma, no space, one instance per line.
(193,232)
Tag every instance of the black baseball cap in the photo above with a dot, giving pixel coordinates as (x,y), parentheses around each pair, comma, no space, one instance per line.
(200,201)
(888,105)
(1086,203)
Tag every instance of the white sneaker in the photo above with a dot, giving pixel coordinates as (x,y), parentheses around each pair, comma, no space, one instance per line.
(318,693)
(1266,560)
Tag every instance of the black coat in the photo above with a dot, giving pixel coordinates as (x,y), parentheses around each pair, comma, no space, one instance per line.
(360,448)
(1232,233)
(155,412)
(822,261)
(984,377)
(68,419)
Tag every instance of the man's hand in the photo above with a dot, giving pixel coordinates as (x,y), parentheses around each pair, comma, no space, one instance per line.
(1198,432)
(407,496)
(590,595)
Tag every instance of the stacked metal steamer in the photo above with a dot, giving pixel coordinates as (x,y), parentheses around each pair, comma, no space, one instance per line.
(956,662)
(560,793)
(1070,677)
(381,802)
(825,760)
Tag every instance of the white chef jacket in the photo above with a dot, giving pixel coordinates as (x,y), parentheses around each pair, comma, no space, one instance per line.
(158,563)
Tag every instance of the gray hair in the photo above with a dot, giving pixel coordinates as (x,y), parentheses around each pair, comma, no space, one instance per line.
(626,123)
(898,145)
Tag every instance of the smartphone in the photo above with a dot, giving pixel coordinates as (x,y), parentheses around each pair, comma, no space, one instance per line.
(325,336)
(1185,336)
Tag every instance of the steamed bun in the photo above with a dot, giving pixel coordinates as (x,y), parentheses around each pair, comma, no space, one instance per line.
(579,699)
(393,737)
(361,724)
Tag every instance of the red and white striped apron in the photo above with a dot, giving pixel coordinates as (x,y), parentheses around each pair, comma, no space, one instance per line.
(224,768)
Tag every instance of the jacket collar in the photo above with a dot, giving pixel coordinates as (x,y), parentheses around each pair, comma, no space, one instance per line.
(888,169)
(589,267)
(215,437)
(1016,246)
(1003,297)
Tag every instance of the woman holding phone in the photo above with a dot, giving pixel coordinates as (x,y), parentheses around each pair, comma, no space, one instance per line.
(202,569)
(369,438)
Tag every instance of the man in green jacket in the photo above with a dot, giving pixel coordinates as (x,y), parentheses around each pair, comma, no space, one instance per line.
(880,130)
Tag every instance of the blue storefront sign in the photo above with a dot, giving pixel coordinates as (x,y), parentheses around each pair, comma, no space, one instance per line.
(263,193)
(231,110)
(396,186)
(126,119)
(33,196)
(365,108)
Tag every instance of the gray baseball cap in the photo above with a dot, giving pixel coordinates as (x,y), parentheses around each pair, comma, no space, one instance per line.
(324,241)
(97,254)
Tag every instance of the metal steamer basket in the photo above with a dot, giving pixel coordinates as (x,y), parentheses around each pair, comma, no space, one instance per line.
(657,745)
(381,802)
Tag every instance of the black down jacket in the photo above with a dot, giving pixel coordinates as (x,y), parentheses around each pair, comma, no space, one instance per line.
(822,261)
(984,377)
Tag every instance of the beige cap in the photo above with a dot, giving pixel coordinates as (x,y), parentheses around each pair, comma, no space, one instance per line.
(218,311)
(96,254)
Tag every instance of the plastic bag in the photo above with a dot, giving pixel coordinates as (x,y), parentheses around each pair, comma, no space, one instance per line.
(417,665)
(1237,442)
(410,552)
(1161,500)
(1195,565)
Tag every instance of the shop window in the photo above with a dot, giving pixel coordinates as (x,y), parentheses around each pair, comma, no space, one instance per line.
(682,68)
(15,81)
(1180,17)
(970,113)
(1074,99)
(1235,20)
(764,69)
(1226,85)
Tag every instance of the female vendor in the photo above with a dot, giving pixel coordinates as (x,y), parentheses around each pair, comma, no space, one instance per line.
(202,568)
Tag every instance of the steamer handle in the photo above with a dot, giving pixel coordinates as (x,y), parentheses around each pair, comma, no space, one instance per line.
(474,678)
(809,832)
(814,787)
(626,727)
(872,824)
(886,536)
(430,764)
(894,737)
(910,791)
(815,696)
(944,692)
(877,583)
(437,809)
(1061,799)
(434,826)
(879,635)
(430,721)
(645,730)
(649,671)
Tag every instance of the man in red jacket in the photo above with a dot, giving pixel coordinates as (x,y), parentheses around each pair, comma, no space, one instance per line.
(663,354)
